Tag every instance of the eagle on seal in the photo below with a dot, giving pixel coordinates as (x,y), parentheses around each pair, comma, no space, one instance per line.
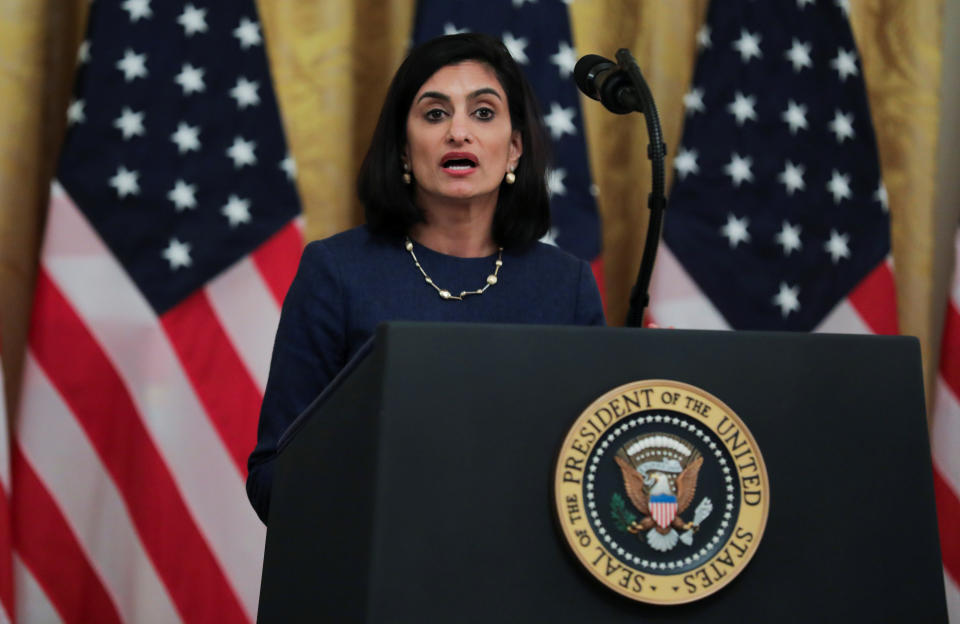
(654,496)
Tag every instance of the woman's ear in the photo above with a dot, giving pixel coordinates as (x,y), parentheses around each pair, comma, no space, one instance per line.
(516,149)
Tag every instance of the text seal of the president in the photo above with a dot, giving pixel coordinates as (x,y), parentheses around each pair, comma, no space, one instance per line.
(661,492)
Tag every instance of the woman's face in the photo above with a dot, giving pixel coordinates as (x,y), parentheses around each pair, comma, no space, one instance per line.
(460,141)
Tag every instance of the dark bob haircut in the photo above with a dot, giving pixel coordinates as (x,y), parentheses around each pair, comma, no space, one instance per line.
(523,208)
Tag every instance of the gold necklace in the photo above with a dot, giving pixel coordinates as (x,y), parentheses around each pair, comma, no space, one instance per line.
(446,294)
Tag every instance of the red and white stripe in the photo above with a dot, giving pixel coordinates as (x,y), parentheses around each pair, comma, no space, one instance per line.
(677,301)
(946,445)
(663,513)
(131,446)
(870,308)
(6,550)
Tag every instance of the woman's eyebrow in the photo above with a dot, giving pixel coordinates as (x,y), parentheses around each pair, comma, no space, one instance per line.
(435,95)
(446,98)
(485,91)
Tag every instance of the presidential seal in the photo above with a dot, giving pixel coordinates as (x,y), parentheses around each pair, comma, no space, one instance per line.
(661,492)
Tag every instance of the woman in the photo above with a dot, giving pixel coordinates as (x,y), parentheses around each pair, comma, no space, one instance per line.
(455,198)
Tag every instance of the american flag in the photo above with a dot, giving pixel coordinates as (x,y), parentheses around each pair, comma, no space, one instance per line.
(946,445)
(778,217)
(539,38)
(171,238)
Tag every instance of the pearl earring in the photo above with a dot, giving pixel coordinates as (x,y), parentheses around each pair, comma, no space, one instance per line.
(406,177)
(510,178)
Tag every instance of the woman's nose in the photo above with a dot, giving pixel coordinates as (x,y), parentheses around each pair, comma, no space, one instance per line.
(459,131)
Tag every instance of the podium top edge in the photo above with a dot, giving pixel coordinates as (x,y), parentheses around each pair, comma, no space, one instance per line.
(383,329)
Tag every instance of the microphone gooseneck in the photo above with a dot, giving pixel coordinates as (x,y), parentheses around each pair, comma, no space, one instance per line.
(621,88)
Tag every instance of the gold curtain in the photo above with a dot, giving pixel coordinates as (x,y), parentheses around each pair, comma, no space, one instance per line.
(331,63)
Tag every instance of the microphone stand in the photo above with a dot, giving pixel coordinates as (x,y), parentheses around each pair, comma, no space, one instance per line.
(656,200)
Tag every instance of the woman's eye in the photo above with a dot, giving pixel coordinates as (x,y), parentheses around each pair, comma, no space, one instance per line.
(435,114)
(484,113)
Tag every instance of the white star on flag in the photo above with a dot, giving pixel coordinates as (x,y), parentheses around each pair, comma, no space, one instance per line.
(792,177)
(739,169)
(129,123)
(565,59)
(843,5)
(137,9)
(550,238)
(748,45)
(787,299)
(789,238)
(799,55)
(248,33)
(133,65)
(880,195)
(245,93)
(450,29)
(837,246)
(516,47)
(845,63)
(241,152)
(177,254)
(703,37)
(183,195)
(193,20)
(75,112)
(190,79)
(839,186)
(555,184)
(736,230)
(289,166)
(742,107)
(693,101)
(795,116)
(686,162)
(236,210)
(83,53)
(842,126)
(186,137)
(560,121)
(125,182)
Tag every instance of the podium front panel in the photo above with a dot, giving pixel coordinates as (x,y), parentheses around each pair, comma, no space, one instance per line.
(434,502)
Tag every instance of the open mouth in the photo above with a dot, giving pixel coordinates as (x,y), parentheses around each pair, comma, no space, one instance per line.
(459,162)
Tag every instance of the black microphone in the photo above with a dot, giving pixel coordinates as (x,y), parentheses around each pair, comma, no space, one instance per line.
(604,80)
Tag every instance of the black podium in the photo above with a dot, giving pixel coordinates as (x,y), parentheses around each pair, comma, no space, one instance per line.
(417,488)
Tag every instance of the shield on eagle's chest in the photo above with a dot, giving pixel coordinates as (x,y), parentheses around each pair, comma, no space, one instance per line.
(663,508)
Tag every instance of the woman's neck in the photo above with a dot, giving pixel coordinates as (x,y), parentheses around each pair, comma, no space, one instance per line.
(457,229)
